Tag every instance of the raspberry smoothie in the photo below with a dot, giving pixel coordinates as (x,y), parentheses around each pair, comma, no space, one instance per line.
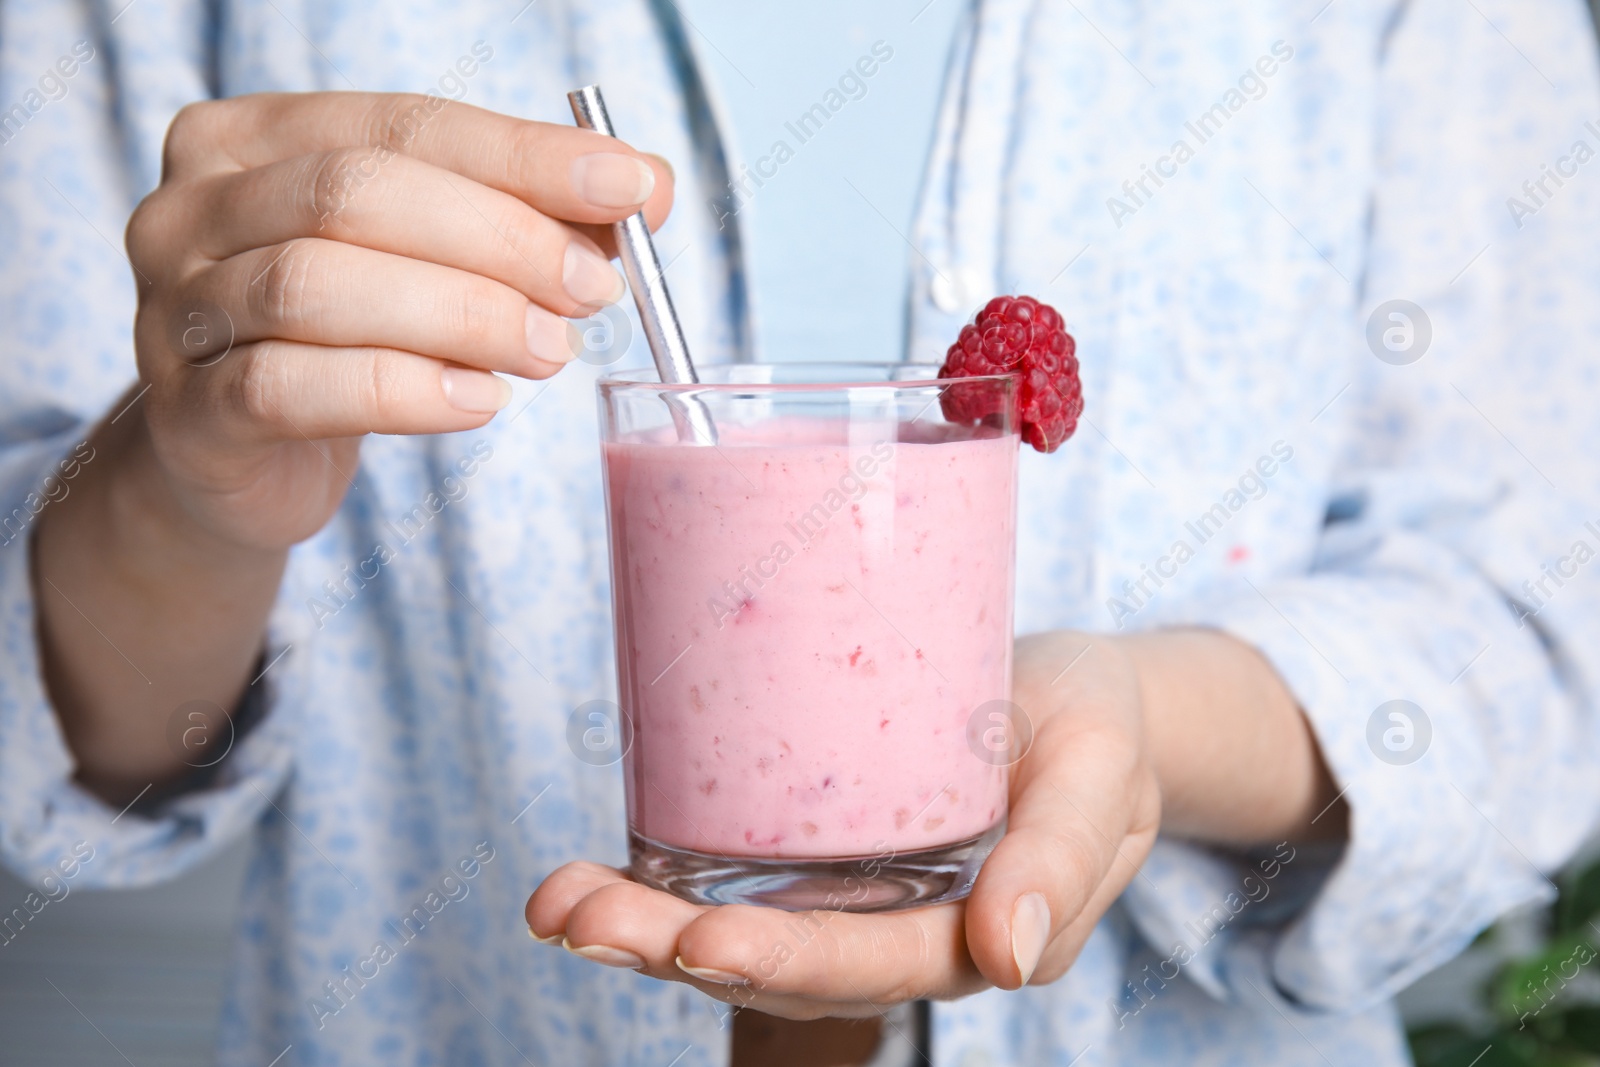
(807,617)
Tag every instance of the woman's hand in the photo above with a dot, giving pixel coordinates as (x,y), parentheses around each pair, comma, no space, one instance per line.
(1086,802)
(313,268)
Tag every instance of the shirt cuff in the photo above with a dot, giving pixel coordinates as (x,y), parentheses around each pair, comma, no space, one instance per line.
(50,824)
(1426,865)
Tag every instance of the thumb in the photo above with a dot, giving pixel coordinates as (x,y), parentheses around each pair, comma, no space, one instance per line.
(1084,813)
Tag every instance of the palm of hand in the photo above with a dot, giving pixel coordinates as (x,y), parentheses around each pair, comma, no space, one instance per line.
(1085,809)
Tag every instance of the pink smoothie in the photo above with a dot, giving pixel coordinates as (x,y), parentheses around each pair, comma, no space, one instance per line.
(804,629)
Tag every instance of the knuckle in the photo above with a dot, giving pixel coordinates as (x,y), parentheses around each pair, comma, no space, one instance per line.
(385,386)
(336,177)
(396,119)
(523,245)
(475,316)
(192,131)
(522,160)
(281,294)
(140,229)
(260,384)
(145,234)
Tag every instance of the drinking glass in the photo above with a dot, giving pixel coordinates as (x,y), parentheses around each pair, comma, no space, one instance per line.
(813,629)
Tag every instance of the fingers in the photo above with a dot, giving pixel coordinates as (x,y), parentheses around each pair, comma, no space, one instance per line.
(628,919)
(286,391)
(561,171)
(820,955)
(837,956)
(1084,814)
(408,208)
(330,293)
(558,894)
(792,965)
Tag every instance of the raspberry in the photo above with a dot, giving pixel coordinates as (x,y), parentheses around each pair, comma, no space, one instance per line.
(1021,336)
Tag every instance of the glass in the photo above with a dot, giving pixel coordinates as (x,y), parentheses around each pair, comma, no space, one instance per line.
(814,624)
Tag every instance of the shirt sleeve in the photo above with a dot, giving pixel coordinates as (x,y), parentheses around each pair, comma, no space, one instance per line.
(85,96)
(1443,640)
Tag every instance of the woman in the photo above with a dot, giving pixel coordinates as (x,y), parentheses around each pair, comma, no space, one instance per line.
(1324,351)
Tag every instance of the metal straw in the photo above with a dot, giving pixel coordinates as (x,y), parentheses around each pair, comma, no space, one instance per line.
(643,269)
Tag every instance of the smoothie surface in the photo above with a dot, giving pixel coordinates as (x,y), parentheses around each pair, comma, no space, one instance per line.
(808,616)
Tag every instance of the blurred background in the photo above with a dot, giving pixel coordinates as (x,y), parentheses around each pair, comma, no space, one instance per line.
(147,966)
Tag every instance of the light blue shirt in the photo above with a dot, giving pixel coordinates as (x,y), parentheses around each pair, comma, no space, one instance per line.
(1220,198)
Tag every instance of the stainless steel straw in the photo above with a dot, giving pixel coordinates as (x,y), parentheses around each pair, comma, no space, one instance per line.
(643,269)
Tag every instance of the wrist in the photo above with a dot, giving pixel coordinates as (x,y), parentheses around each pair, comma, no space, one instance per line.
(1235,758)
(152,528)
(120,566)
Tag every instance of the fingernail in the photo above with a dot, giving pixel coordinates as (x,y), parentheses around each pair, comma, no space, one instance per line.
(553,939)
(1030,927)
(611,179)
(711,974)
(474,390)
(548,336)
(611,957)
(590,279)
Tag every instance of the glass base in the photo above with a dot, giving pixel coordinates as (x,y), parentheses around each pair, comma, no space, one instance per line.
(886,881)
